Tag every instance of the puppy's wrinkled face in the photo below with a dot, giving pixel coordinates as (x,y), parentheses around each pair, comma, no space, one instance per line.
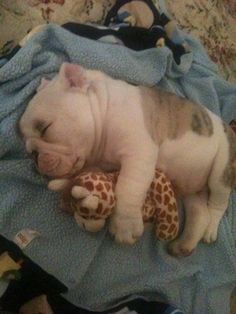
(58,126)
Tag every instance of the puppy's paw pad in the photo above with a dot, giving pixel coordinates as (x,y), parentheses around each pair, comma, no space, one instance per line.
(126,230)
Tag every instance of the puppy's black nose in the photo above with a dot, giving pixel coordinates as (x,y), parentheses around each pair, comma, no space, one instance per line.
(34,155)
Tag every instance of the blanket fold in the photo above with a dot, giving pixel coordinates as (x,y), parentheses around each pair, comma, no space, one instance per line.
(98,272)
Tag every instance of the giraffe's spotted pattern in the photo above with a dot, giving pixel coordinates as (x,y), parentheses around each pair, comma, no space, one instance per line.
(160,205)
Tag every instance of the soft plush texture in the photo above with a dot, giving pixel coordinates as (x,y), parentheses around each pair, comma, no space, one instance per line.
(97,271)
(90,197)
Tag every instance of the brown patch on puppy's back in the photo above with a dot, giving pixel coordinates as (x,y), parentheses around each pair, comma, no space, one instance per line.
(201,122)
(169,116)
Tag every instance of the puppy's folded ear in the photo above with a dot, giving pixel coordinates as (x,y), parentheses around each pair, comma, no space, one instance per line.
(73,76)
(44,82)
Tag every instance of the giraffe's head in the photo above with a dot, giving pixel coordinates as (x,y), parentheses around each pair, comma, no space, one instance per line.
(89,197)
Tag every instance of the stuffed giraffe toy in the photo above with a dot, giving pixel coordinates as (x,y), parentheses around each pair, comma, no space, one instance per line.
(89,196)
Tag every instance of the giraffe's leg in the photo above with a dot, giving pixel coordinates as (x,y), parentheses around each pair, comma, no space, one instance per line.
(167,216)
(167,221)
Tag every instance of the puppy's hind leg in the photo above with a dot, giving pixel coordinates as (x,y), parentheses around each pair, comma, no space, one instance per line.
(196,222)
(220,184)
(218,202)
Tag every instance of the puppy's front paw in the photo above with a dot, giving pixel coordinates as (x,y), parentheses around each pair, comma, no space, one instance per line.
(210,234)
(181,248)
(126,228)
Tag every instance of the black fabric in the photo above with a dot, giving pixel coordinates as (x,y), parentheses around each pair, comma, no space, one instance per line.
(34,280)
(11,54)
(112,14)
(136,38)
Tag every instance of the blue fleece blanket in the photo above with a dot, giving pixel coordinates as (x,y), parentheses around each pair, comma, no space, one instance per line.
(98,272)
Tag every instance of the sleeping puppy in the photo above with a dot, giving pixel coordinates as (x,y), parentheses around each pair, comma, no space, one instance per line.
(86,118)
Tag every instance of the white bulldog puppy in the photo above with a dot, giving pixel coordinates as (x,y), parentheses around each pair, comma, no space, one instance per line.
(86,118)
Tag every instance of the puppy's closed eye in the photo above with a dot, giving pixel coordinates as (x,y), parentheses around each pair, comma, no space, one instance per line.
(43,131)
(41,126)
